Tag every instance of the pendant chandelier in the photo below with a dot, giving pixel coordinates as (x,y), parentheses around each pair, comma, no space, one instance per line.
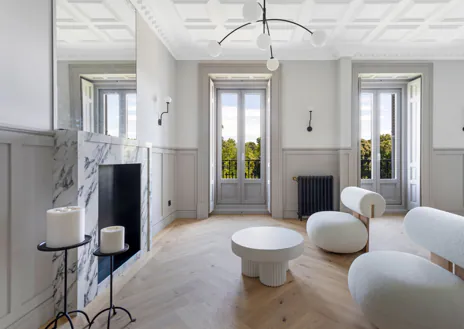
(254,12)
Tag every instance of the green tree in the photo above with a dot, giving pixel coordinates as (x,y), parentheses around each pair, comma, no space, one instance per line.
(253,157)
(386,165)
(229,158)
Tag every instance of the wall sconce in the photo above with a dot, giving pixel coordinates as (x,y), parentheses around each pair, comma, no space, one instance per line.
(168,100)
(310,119)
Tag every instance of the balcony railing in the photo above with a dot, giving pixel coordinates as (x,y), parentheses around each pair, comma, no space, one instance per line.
(386,169)
(252,169)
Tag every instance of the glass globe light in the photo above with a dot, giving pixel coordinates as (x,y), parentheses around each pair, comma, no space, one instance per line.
(251,11)
(318,38)
(263,41)
(272,64)
(168,99)
(214,48)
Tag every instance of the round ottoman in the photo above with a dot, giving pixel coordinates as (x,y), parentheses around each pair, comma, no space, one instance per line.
(397,290)
(337,232)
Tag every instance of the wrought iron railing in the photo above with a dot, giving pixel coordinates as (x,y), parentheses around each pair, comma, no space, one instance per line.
(252,169)
(386,169)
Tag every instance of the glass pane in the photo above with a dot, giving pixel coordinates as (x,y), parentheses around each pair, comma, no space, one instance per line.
(387,135)
(131,106)
(229,134)
(112,114)
(366,108)
(252,136)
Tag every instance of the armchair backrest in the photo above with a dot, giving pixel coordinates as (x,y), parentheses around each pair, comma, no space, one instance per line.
(364,202)
(441,232)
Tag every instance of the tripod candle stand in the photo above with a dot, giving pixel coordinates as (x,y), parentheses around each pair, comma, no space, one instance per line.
(112,308)
(43,247)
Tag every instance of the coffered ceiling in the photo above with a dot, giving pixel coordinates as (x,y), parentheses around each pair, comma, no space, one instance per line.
(413,29)
(95,29)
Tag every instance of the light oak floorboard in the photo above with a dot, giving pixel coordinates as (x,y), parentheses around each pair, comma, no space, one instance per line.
(192,280)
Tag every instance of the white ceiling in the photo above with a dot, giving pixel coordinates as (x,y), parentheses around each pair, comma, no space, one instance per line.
(95,29)
(356,28)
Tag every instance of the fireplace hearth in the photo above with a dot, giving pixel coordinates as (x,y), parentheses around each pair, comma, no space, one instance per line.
(119,193)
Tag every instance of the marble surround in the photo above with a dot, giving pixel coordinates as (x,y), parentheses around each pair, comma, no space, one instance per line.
(77,157)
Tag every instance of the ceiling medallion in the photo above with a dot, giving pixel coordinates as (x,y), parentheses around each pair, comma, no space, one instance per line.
(252,11)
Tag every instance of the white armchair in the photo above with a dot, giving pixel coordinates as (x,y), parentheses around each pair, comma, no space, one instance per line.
(402,291)
(346,233)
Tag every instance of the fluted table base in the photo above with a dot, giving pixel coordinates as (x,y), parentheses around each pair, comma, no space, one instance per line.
(270,274)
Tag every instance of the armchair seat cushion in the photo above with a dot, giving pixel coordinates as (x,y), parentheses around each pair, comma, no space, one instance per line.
(337,232)
(402,291)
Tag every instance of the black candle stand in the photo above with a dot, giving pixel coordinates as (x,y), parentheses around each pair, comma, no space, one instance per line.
(43,247)
(113,308)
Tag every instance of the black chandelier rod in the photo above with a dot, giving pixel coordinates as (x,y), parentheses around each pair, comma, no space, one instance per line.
(265,21)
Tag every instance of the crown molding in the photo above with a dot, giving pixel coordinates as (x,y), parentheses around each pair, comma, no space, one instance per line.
(152,19)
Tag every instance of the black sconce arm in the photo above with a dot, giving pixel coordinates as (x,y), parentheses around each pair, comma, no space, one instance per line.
(310,119)
(160,120)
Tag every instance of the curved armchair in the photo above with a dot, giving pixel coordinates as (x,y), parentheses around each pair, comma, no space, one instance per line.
(397,290)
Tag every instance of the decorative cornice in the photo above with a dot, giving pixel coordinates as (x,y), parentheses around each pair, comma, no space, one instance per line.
(152,18)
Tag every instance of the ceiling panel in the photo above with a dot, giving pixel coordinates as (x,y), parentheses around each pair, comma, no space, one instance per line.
(91,27)
(354,27)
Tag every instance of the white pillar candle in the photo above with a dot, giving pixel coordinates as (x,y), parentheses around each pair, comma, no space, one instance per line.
(111,239)
(65,226)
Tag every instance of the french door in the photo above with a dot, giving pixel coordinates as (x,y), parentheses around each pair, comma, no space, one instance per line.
(240,152)
(119,112)
(380,124)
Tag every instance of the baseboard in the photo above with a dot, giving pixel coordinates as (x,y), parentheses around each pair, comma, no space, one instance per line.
(35,318)
(155,229)
(187,214)
(240,210)
(290,214)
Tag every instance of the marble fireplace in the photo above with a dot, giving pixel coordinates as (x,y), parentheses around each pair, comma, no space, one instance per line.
(78,161)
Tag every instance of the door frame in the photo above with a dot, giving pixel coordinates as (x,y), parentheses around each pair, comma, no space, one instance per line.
(401,149)
(241,90)
(205,71)
(426,71)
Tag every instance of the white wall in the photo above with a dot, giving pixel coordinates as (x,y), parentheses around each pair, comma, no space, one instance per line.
(304,84)
(448,110)
(308,84)
(187,104)
(156,79)
(26,64)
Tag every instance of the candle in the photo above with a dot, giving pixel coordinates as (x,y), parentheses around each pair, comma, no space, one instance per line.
(111,239)
(65,226)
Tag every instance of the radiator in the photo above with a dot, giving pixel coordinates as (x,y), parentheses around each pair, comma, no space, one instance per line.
(315,193)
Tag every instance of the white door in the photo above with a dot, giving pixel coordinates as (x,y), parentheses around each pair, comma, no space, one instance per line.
(241,148)
(268,146)
(212,146)
(88,115)
(380,125)
(413,144)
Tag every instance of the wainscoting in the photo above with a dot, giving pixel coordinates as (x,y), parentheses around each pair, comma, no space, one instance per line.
(447,182)
(306,162)
(174,186)
(26,192)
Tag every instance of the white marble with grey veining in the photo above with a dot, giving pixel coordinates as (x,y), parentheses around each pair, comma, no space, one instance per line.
(78,156)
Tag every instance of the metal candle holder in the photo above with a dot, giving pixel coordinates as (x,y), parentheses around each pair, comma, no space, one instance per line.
(43,247)
(113,308)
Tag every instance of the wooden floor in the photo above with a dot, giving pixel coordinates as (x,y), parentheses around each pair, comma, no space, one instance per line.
(193,281)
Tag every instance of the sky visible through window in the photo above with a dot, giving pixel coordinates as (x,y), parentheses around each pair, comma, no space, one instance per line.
(366,114)
(252,116)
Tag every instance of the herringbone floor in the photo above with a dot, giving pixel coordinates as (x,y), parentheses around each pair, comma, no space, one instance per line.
(193,281)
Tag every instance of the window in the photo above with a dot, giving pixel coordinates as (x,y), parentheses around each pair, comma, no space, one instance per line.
(119,112)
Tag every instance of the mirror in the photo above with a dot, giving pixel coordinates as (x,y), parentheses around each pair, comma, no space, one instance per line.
(96,66)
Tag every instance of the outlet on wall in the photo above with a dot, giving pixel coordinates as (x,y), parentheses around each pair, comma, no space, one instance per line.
(169,203)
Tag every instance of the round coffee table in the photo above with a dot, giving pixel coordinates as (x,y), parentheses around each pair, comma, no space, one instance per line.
(265,252)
